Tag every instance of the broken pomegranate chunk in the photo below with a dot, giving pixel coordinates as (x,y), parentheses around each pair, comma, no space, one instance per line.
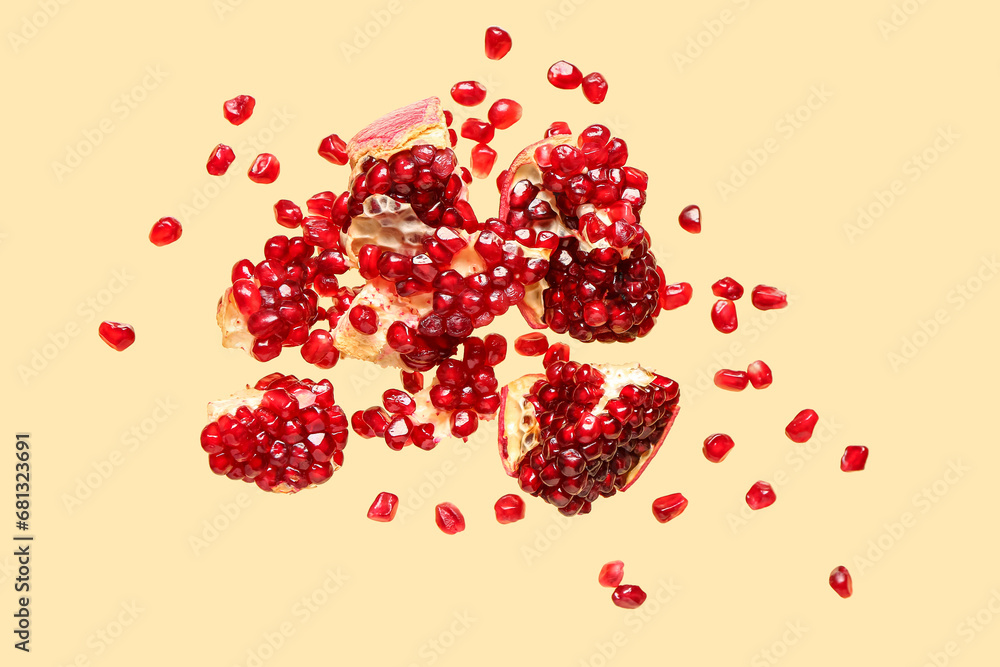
(165,231)
(768,298)
(690,219)
(855,457)
(384,507)
(800,429)
(760,374)
(565,75)
(760,495)
(265,169)
(611,574)
(238,109)
(717,447)
(219,160)
(118,336)
(595,88)
(669,507)
(509,508)
(840,581)
(449,519)
(628,597)
(498,43)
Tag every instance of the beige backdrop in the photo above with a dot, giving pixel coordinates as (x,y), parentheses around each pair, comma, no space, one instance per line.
(845,152)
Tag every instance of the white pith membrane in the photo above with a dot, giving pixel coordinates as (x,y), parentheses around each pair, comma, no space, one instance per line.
(233,324)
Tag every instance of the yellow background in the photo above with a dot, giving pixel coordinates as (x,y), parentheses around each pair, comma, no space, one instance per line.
(143,557)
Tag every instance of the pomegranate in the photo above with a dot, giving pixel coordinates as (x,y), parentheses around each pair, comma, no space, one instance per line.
(855,457)
(449,518)
(760,495)
(800,429)
(611,574)
(628,597)
(669,507)
(531,344)
(468,93)
(768,298)
(727,288)
(265,169)
(384,507)
(731,380)
(690,219)
(509,508)
(565,75)
(760,374)
(498,43)
(724,316)
(165,231)
(239,109)
(840,582)
(218,162)
(118,336)
(595,88)
(333,149)
(717,447)
(676,295)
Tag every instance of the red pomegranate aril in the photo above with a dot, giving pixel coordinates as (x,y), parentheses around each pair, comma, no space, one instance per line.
(464,423)
(840,582)
(760,495)
(556,352)
(531,344)
(287,214)
(504,113)
(509,508)
(855,457)
(558,127)
(731,380)
(611,574)
(165,231)
(768,298)
(333,149)
(760,374)
(564,75)
(690,219)
(412,381)
(265,169)
(482,161)
(319,350)
(717,447)
(727,288)
(449,518)
(219,160)
(724,316)
(364,319)
(384,507)
(452,137)
(118,336)
(468,93)
(398,402)
(669,507)
(238,109)
(800,429)
(478,130)
(676,295)
(595,88)
(628,597)
(498,43)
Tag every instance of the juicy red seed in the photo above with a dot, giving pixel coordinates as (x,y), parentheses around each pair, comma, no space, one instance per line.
(531,344)
(628,597)
(724,316)
(556,352)
(690,219)
(265,169)
(449,519)
(422,436)
(118,336)
(498,43)
(676,295)
(364,319)
(287,214)
(219,160)
(463,423)
(768,298)
(397,433)
(509,508)
(760,495)
(855,457)
(800,429)
(449,118)
(483,159)
(760,374)
(669,507)
(398,402)
(496,349)
(333,149)
(238,109)
(452,137)
(468,93)
(596,133)
(319,350)
(504,113)
(595,88)
(384,507)
(717,447)
(478,130)
(165,231)
(564,75)
(412,381)
(731,380)
(611,574)
(360,426)
(840,581)
(727,288)
(556,128)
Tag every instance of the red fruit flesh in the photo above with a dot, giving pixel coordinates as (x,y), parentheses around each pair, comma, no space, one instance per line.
(676,295)
(595,88)
(731,380)
(565,75)
(800,429)
(412,381)
(333,149)
(768,298)
(724,316)
(498,43)
(611,574)
(384,507)
(760,495)
(556,352)
(118,336)
(238,109)
(319,349)
(840,582)
(509,508)
(628,597)
(669,507)
(219,160)
(531,345)
(478,130)
(449,519)
(717,447)
(855,457)
(165,231)
(482,161)
(265,169)
(504,113)
(727,288)
(760,374)
(287,214)
(468,93)
(690,219)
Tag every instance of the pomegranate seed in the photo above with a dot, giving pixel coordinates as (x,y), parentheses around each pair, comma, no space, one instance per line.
(165,231)
(498,43)
(116,335)
(449,519)
(464,423)
(717,447)
(595,88)
(611,574)
(219,160)
(264,169)
(628,597)
(760,495)
(669,507)
(287,214)
(449,118)
(496,349)
(384,507)
(483,159)
(364,319)
(558,127)
(768,298)
(398,402)
(452,138)
(333,149)
(509,508)
(855,457)
(478,130)
(565,75)
(724,316)
(531,344)
(727,288)
(760,374)
(556,352)
(731,380)
(319,350)
(468,93)
(840,581)
(676,295)
(690,219)
(800,429)
(504,113)
(238,109)
(412,381)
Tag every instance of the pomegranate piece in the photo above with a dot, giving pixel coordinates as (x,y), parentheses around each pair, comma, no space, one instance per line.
(498,43)
(333,149)
(727,288)
(690,219)
(468,93)
(676,295)
(669,507)
(724,316)
(840,582)
(449,519)
(628,597)
(483,159)
(118,336)
(595,88)
(855,457)
(731,380)
(384,507)
(219,160)
(611,574)
(531,344)
(265,169)
(717,447)
(760,374)
(504,113)
(565,75)
(478,130)
(800,429)
(165,231)
(239,109)
(760,495)
(287,214)
(768,298)
(509,508)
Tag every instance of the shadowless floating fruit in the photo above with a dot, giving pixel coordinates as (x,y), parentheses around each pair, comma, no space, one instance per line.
(118,336)
(449,519)
(509,508)
(840,581)
(628,597)
(239,109)
(611,574)
(384,507)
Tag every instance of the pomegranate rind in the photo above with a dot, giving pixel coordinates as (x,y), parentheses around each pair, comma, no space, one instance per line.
(422,122)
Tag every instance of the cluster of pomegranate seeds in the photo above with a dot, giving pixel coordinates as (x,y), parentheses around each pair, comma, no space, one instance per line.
(504,113)
(531,344)
(265,169)
(118,336)
(284,436)
(855,457)
(760,374)
(760,495)
(611,574)
(509,508)
(717,446)
(727,288)
(724,316)
(676,295)
(468,93)
(768,298)
(165,231)
(800,429)
(628,596)
(669,507)
(565,75)
(384,507)
(731,380)
(840,582)
(333,149)
(239,109)
(690,219)
(498,43)
(219,160)
(595,87)
(449,518)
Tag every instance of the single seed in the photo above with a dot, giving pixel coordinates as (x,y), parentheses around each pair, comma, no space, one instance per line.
(727,288)
(840,581)
(611,574)
(364,319)
(483,159)
(117,335)
(768,298)
(287,214)
(628,597)
(384,507)
(531,344)
(690,219)
(477,130)
(333,149)
(449,519)
(509,508)
(676,295)
(855,457)
(238,109)
(504,113)
(265,169)
(760,374)
(219,160)
(498,43)
(564,75)
(595,88)
(165,231)
(468,93)
(717,447)
(669,507)
(724,316)
(412,381)
(760,495)
(558,127)
(731,380)
(800,429)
